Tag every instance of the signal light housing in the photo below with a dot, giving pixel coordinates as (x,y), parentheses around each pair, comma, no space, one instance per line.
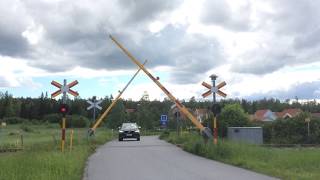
(64,109)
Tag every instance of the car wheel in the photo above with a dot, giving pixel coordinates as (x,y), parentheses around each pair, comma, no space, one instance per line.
(138,139)
(120,139)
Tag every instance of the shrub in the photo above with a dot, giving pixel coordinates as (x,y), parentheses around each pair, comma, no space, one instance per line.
(26,128)
(76,121)
(14,120)
(292,131)
(52,118)
(232,115)
(52,126)
(164,134)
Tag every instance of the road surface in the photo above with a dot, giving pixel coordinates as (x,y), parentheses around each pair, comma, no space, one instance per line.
(154,159)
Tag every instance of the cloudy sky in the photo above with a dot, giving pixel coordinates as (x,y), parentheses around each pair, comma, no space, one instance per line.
(260,48)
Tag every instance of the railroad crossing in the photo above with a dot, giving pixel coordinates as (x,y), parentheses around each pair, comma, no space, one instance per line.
(64,109)
(213,89)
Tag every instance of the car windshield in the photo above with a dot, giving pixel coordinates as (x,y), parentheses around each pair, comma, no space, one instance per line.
(129,126)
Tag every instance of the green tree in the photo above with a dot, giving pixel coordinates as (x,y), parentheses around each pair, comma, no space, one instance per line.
(117,115)
(231,115)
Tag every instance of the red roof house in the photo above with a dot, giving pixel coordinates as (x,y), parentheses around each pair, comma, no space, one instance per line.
(289,113)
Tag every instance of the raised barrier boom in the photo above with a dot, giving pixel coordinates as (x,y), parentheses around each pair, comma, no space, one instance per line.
(182,109)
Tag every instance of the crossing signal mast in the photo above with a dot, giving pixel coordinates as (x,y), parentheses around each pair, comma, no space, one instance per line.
(63,108)
(213,89)
(181,107)
(94,104)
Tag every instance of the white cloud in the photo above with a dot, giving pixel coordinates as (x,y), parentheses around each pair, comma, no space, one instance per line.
(257,47)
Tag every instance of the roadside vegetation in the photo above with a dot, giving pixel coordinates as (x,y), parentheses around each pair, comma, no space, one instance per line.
(285,163)
(41,157)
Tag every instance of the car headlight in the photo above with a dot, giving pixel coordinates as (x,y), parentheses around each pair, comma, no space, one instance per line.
(120,131)
(137,131)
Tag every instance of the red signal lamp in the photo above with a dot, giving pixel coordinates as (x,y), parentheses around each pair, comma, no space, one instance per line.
(63,109)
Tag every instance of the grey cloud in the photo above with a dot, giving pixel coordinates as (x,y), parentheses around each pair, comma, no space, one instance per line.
(293,16)
(198,55)
(292,38)
(12,25)
(13,44)
(76,36)
(307,41)
(263,61)
(308,90)
(217,12)
(144,10)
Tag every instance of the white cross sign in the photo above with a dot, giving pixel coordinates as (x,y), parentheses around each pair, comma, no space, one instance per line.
(94,104)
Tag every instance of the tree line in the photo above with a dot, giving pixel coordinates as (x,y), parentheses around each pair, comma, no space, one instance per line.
(147,113)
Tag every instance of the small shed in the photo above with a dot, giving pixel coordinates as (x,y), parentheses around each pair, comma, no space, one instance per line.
(252,135)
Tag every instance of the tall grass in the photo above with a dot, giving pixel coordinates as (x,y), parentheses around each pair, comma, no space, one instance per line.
(286,163)
(42,159)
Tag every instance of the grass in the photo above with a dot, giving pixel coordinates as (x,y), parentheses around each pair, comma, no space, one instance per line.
(41,157)
(285,163)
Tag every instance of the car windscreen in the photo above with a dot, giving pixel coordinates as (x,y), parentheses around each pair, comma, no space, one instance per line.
(129,126)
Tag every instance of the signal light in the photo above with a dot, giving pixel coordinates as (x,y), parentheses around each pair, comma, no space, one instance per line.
(216,109)
(63,109)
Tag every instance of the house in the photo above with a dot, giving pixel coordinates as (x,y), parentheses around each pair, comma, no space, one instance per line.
(264,115)
(289,113)
(128,110)
(202,114)
(315,115)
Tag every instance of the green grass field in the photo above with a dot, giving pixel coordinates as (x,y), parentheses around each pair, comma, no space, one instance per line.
(41,157)
(285,163)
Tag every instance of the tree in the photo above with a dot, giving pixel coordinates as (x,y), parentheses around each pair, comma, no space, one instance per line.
(231,115)
(117,115)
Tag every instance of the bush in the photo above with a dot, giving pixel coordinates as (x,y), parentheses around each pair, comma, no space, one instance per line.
(77,121)
(232,115)
(14,120)
(26,128)
(292,131)
(52,126)
(164,134)
(52,118)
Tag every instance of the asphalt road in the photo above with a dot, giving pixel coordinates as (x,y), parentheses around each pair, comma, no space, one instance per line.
(154,159)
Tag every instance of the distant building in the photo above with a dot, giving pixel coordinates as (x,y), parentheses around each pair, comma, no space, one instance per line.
(264,115)
(315,115)
(130,110)
(202,114)
(289,113)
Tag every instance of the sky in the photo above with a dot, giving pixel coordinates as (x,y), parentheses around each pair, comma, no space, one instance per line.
(260,48)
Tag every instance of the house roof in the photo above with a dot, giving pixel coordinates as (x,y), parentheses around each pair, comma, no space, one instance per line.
(259,115)
(279,114)
(130,110)
(292,112)
(317,115)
